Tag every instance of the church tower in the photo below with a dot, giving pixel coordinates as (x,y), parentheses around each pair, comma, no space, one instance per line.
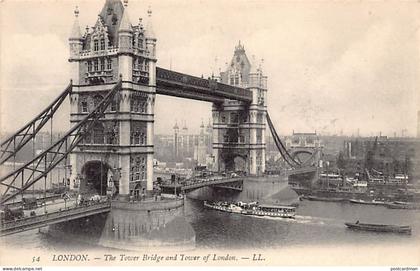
(117,155)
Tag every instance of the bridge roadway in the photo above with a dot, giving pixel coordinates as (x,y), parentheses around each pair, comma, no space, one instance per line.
(234,183)
(302,170)
(58,212)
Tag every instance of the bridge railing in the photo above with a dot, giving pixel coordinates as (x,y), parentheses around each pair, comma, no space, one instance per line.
(26,221)
(212,181)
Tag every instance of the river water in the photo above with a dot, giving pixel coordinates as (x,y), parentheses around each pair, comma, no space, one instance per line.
(316,223)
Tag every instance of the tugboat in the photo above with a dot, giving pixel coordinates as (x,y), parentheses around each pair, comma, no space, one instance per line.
(379,227)
(253,208)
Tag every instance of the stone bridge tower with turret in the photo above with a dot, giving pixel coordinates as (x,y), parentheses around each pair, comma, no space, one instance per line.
(117,155)
(239,128)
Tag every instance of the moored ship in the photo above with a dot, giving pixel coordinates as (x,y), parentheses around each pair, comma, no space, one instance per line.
(253,208)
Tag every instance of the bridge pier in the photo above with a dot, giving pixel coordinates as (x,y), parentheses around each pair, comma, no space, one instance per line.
(147,224)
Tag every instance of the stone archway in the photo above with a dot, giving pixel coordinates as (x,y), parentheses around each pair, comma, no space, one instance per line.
(234,161)
(95,176)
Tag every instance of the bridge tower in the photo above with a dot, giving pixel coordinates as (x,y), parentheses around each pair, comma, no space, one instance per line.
(238,127)
(118,152)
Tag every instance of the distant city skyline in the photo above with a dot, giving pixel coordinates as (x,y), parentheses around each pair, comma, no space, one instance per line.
(323,75)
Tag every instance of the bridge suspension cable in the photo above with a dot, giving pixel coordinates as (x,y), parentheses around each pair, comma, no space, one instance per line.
(41,165)
(280,146)
(10,146)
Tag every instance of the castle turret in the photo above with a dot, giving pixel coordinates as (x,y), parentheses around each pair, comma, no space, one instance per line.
(76,45)
(125,37)
(151,48)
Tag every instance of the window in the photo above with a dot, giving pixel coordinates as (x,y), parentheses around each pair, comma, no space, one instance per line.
(131,105)
(109,64)
(95,65)
(223,118)
(87,137)
(236,79)
(259,118)
(140,43)
(142,139)
(102,64)
(113,105)
(97,100)
(111,137)
(137,138)
(140,64)
(84,107)
(95,45)
(102,44)
(234,117)
(89,66)
(143,107)
(98,134)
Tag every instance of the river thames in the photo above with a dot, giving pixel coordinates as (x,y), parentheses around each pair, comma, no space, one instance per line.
(316,223)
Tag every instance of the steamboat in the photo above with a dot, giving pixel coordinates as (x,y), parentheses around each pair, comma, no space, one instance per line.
(253,208)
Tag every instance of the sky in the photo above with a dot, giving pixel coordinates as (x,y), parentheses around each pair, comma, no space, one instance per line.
(332,67)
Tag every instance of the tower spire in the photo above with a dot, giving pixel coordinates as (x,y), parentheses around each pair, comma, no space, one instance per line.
(75,31)
(150,33)
(125,20)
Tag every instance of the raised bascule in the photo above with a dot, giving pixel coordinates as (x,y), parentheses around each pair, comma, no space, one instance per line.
(110,146)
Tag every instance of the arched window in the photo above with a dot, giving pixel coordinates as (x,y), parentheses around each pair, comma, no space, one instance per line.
(102,44)
(98,134)
(140,42)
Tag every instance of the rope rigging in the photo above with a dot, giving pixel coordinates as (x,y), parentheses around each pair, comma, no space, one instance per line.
(43,163)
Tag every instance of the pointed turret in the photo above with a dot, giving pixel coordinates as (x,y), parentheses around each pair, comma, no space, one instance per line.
(75,39)
(125,25)
(150,33)
(185,129)
(176,126)
(75,31)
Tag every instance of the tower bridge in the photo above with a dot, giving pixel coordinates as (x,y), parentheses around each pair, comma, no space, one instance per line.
(112,95)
